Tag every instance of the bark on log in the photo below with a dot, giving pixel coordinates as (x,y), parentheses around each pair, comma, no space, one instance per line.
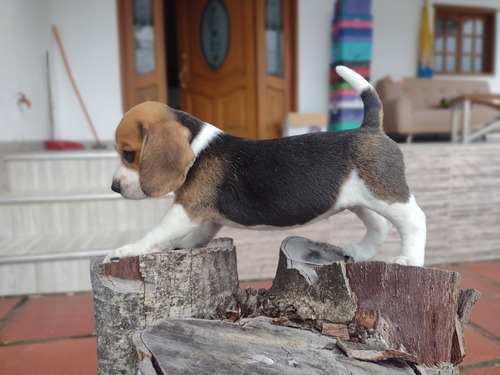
(409,307)
(380,312)
(411,311)
(311,279)
(134,293)
(466,300)
(251,346)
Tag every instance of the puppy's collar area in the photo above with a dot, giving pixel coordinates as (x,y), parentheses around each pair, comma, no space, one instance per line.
(207,133)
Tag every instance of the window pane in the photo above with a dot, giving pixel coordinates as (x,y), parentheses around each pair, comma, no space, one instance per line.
(274,38)
(144,37)
(440,25)
(479,27)
(438,44)
(468,27)
(215,33)
(451,26)
(467,45)
(438,63)
(450,63)
(478,65)
(451,44)
(466,64)
(478,46)
(462,44)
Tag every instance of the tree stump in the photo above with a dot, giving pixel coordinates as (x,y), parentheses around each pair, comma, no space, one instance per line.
(311,278)
(365,318)
(136,292)
(412,313)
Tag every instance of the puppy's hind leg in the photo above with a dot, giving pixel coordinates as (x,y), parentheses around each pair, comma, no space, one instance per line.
(409,219)
(376,233)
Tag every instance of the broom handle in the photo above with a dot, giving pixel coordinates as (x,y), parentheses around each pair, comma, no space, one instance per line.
(73,83)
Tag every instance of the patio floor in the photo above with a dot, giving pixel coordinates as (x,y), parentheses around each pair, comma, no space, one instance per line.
(55,334)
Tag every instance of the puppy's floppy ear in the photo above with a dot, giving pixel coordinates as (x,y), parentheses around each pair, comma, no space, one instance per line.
(165,158)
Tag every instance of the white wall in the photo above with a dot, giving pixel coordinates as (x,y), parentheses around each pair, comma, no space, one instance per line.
(22,69)
(395,38)
(90,36)
(89,33)
(493,80)
(396,25)
(314,54)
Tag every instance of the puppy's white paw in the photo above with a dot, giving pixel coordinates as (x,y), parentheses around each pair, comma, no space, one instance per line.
(124,252)
(405,261)
(359,252)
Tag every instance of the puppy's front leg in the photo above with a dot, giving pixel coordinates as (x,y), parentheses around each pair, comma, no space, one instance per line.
(173,228)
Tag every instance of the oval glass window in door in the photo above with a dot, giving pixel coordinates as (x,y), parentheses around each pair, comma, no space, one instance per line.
(214,33)
(144,38)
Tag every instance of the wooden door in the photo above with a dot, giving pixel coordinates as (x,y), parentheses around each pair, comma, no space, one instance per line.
(226,69)
(217,63)
(275,27)
(142,51)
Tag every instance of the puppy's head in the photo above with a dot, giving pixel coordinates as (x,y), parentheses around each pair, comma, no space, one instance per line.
(155,152)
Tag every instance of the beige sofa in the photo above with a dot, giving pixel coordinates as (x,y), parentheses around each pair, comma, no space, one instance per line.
(413,106)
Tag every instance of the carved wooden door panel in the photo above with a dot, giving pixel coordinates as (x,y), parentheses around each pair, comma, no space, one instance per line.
(217,63)
(142,52)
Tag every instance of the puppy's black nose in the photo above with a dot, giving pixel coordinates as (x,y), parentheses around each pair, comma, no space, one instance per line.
(115,186)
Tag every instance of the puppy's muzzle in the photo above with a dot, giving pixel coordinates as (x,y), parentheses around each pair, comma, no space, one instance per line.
(115,186)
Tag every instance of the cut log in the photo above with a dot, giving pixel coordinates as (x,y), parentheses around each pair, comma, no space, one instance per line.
(377,311)
(133,293)
(466,300)
(311,280)
(412,311)
(409,307)
(252,346)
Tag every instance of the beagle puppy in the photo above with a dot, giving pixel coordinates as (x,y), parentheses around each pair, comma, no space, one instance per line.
(218,179)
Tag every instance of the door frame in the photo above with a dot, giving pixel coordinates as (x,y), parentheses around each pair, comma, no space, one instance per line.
(266,82)
(130,82)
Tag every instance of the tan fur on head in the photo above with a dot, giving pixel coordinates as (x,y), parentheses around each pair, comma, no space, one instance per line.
(163,155)
(165,159)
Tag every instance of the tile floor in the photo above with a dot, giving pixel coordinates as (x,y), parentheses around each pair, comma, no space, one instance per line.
(54,335)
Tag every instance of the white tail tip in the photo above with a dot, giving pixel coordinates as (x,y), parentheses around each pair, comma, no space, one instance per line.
(357,82)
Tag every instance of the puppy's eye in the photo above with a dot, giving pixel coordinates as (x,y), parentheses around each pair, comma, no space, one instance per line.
(129,156)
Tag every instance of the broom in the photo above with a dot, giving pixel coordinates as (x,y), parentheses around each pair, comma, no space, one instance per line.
(65,145)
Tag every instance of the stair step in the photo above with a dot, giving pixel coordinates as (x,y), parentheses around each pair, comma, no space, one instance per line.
(62,195)
(63,247)
(76,212)
(57,169)
(55,263)
(51,195)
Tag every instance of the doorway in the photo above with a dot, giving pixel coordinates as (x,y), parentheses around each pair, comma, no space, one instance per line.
(172,58)
(228,62)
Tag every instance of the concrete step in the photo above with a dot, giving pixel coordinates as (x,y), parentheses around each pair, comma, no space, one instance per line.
(43,212)
(57,170)
(55,263)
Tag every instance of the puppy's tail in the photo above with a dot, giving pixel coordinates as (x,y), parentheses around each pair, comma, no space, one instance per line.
(373,107)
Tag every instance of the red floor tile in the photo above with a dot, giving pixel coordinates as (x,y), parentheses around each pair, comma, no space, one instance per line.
(469,281)
(266,284)
(486,315)
(7,304)
(479,348)
(490,270)
(495,370)
(64,357)
(51,316)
